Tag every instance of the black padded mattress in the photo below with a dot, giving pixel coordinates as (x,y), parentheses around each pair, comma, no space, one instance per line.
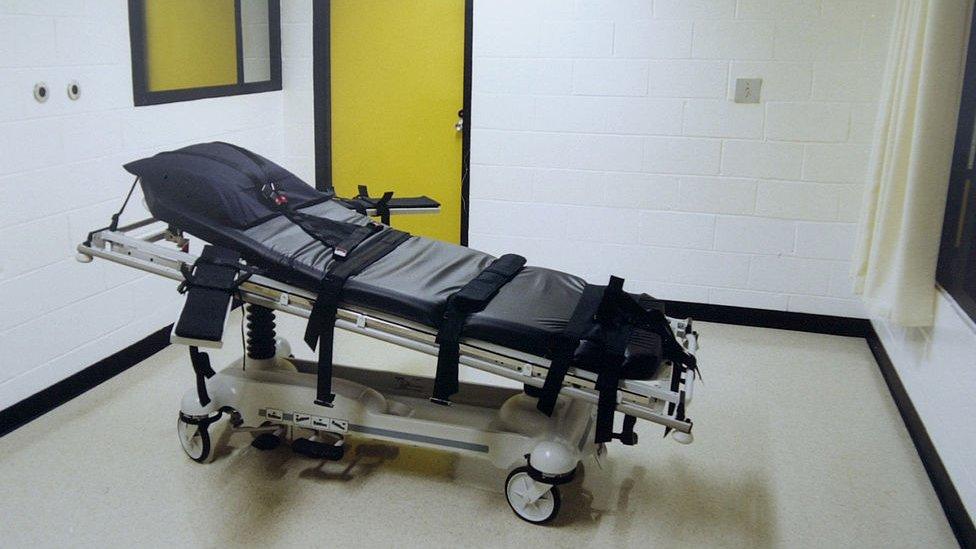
(206,191)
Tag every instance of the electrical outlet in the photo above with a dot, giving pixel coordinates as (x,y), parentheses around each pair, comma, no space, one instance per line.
(747,90)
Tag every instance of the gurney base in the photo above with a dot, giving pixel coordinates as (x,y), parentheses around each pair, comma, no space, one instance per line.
(496,423)
(499,423)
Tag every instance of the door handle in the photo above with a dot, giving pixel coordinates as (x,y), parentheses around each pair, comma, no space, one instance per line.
(459,125)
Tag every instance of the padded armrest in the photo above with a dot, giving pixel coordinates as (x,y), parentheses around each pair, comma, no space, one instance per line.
(211,284)
(386,205)
(368,203)
(414,202)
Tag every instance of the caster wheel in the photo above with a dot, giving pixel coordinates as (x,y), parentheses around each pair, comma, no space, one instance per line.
(266,441)
(195,439)
(283,348)
(520,490)
(682,438)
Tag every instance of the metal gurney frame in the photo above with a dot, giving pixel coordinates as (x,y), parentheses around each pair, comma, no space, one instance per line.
(271,398)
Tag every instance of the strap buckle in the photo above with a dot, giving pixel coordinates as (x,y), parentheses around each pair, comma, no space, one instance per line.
(271,192)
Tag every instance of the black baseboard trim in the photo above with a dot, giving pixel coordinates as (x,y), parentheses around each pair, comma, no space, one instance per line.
(40,403)
(952,505)
(767,318)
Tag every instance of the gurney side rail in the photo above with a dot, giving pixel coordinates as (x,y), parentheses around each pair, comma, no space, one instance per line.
(637,398)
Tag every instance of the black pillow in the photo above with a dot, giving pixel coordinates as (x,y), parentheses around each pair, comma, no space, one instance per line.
(220,182)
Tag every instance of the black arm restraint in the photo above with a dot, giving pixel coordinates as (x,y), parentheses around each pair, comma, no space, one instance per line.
(209,286)
(473,297)
(381,205)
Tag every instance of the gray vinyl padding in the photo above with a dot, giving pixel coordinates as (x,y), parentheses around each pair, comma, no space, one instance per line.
(416,279)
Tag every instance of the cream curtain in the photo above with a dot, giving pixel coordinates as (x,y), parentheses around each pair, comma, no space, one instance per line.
(901,222)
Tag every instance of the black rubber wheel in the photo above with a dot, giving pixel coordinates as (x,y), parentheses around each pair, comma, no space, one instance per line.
(541,511)
(195,439)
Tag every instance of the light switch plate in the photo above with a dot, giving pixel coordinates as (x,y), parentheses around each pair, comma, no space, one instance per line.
(747,90)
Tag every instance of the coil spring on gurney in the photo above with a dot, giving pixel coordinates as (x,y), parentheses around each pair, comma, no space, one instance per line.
(260,332)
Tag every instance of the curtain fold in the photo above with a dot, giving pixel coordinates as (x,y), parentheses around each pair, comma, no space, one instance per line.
(904,203)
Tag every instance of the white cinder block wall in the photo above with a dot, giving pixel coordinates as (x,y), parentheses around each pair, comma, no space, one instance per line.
(255,39)
(296,68)
(605,141)
(61,175)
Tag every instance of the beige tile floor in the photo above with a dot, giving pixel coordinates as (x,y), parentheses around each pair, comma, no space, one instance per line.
(798,445)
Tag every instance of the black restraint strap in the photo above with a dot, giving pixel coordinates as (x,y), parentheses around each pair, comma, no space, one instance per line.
(616,335)
(625,313)
(203,371)
(342,248)
(473,297)
(321,321)
(627,435)
(564,346)
(381,205)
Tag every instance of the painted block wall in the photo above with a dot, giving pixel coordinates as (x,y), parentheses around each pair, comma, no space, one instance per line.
(61,175)
(296,67)
(606,142)
(937,366)
(255,40)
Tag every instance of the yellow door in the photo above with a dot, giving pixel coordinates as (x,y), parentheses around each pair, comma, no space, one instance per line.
(397,74)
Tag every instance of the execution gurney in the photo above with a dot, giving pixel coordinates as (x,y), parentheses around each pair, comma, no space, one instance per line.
(582,352)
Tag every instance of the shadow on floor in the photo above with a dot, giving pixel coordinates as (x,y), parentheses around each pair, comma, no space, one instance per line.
(671,495)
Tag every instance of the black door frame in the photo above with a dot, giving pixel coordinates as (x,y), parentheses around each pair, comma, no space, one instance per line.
(322,98)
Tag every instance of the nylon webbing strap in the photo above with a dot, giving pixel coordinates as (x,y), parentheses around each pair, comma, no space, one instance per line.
(342,249)
(321,322)
(627,435)
(202,370)
(564,346)
(381,205)
(616,336)
(471,298)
